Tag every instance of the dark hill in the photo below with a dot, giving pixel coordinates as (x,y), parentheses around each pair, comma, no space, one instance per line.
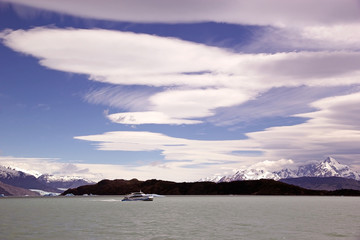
(323,183)
(253,187)
(9,190)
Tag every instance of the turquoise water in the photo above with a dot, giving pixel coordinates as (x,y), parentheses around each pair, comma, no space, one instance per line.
(181,217)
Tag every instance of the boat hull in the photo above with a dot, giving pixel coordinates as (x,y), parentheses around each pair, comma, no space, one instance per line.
(138,199)
(138,196)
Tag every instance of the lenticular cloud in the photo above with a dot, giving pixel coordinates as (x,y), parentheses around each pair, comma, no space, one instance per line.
(201,78)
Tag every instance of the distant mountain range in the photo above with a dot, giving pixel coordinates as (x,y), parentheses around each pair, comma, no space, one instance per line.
(327,175)
(44,183)
(327,168)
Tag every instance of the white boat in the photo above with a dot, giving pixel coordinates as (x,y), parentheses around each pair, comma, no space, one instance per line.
(138,196)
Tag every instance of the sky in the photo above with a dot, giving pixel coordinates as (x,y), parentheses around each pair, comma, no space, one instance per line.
(178,90)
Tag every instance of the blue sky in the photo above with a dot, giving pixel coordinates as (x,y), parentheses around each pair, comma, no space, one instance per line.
(177,90)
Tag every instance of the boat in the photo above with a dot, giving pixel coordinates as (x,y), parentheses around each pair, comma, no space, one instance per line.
(138,196)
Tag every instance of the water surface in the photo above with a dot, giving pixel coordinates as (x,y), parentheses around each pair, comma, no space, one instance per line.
(181,217)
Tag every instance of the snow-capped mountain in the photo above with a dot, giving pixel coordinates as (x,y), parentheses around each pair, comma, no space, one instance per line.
(327,168)
(7,172)
(45,182)
(247,174)
(29,172)
(63,181)
(20,179)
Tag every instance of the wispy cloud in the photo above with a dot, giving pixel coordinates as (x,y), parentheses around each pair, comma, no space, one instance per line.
(172,148)
(184,159)
(276,103)
(126,98)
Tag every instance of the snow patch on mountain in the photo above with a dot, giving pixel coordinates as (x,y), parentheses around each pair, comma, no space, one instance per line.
(9,172)
(52,178)
(29,172)
(64,182)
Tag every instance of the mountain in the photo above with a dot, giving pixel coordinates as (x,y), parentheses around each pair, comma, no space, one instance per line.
(323,183)
(8,190)
(250,187)
(23,180)
(327,168)
(45,182)
(63,182)
(247,174)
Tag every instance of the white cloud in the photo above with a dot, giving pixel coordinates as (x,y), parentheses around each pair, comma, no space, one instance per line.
(331,130)
(128,58)
(185,160)
(272,166)
(197,103)
(339,110)
(306,68)
(325,37)
(200,78)
(339,36)
(255,12)
(180,149)
(175,106)
(122,57)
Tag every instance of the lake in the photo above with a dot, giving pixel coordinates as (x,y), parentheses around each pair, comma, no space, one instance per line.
(181,217)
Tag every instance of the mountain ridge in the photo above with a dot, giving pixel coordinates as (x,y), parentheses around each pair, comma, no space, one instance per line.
(44,182)
(327,168)
(323,183)
(63,181)
(20,179)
